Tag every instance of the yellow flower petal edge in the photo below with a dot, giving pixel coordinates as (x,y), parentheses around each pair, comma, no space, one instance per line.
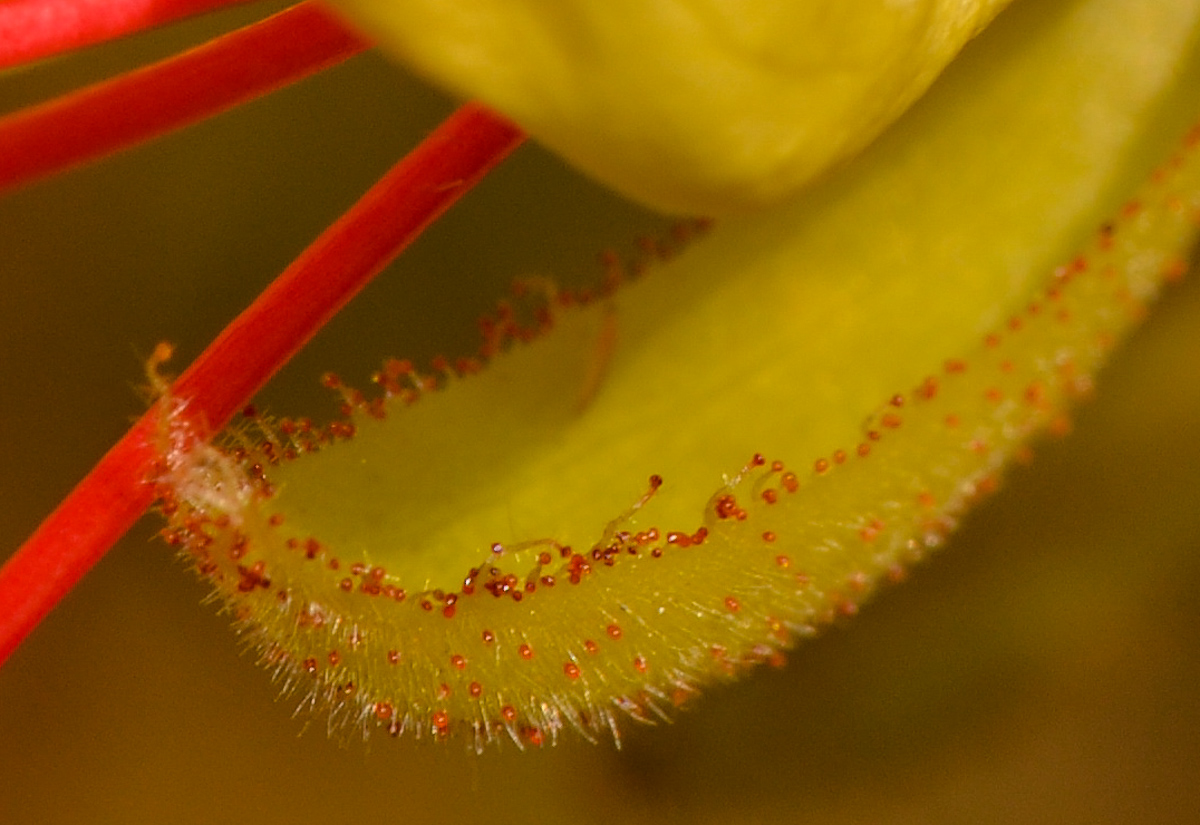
(654,488)
(691,106)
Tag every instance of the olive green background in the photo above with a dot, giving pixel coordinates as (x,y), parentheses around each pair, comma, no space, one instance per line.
(1041,669)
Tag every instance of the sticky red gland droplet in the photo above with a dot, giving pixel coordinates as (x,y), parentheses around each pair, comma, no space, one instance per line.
(726,507)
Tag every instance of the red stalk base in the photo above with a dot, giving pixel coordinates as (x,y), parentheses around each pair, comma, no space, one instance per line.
(189,87)
(251,349)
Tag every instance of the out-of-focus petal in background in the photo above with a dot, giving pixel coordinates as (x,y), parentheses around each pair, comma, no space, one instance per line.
(1041,668)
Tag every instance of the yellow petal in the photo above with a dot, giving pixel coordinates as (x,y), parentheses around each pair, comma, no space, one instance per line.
(691,106)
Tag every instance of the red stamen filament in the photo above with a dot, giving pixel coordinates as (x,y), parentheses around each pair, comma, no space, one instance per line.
(33,29)
(118,113)
(258,342)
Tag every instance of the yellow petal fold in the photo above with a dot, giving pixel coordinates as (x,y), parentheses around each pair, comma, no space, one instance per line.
(691,106)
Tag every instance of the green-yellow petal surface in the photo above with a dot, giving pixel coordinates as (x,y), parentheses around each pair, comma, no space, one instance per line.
(489,557)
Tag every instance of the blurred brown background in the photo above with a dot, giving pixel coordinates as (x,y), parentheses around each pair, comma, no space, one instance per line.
(1041,669)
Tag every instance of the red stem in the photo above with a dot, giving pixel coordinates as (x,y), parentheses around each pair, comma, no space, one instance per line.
(33,29)
(258,342)
(175,92)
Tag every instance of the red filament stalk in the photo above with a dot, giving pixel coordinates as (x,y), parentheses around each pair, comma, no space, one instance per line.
(259,341)
(33,29)
(116,114)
